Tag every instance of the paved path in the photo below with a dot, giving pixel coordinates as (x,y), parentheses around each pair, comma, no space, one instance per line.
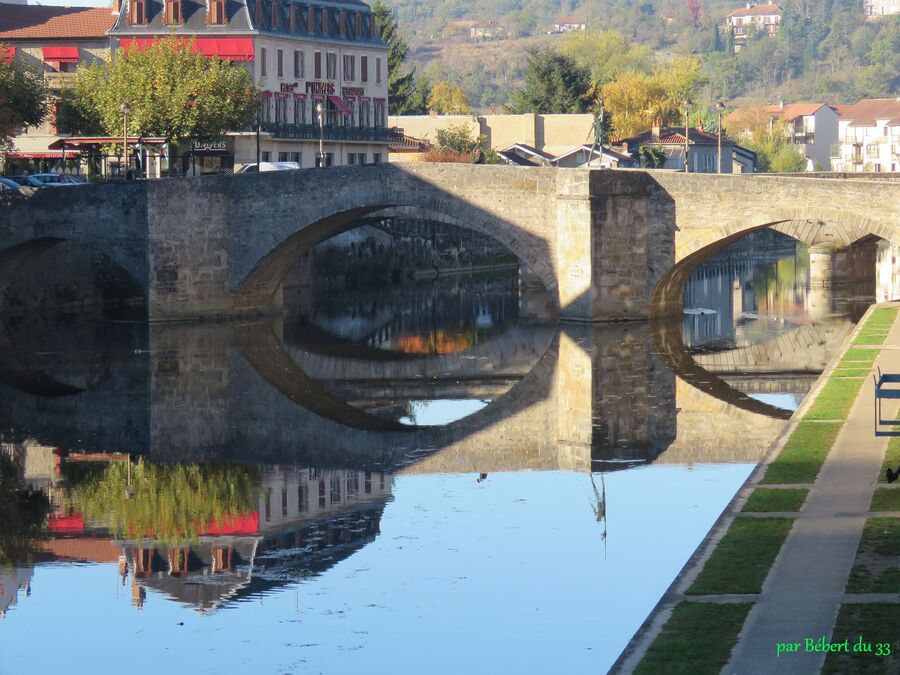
(805,588)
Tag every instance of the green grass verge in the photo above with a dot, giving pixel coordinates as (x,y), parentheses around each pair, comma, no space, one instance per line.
(859,356)
(891,458)
(877,565)
(697,638)
(877,327)
(743,557)
(767,499)
(885,500)
(875,624)
(802,456)
(835,399)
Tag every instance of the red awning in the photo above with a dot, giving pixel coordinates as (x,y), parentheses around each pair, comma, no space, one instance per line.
(364,99)
(266,94)
(339,104)
(7,54)
(299,97)
(282,94)
(66,524)
(34,155)
(379,100)
(227,49)
(61,54)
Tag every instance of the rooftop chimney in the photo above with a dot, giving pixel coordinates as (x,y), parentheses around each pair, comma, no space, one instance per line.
(655,129)
(115,7)
(781,104)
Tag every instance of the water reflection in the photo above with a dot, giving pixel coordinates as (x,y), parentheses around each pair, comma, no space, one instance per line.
(380,476)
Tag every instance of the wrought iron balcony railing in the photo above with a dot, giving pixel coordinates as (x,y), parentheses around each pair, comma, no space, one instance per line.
(334,133)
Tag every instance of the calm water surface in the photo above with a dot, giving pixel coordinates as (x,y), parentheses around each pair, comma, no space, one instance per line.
(406,480)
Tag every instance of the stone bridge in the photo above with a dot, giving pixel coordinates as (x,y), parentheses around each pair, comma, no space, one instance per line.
(608,245)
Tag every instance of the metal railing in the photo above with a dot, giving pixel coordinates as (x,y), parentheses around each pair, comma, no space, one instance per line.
(333,133)
(804,137)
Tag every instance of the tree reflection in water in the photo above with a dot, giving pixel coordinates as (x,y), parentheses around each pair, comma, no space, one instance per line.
(23,514)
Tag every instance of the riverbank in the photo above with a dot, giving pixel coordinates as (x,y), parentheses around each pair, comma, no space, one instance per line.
(774,569)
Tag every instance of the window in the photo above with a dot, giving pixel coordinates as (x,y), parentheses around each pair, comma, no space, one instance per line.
(359,24)
(324,21)
(216,12)
(364,114)
(262,61)
(361,158)
(329,159)
(265,109)
(280,111)
(282,157)
(317,65)
(364,68)
(331,66)
(299,111)
(297,157)
(380,475)
(349,67)
(376,159)
(335,497)
(368,476)
(342,23)
(299,64)
(279,63)
(351,158)
(137,13)
(311,20)
(268,505)
(284,501)
(173,12)
(302,497)
(379,114)
(266,157)
(322,493)
(378,70)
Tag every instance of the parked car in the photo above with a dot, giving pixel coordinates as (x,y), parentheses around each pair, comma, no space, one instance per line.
(55,179)
(27,181)
(269,166)
(8,184)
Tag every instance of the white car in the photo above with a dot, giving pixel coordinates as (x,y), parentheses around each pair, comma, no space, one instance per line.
(269,166)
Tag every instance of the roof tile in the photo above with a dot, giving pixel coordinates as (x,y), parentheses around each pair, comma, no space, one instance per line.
(28,22)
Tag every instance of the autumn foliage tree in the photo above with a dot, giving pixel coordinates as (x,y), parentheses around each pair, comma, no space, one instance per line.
(23,99)
(449,99)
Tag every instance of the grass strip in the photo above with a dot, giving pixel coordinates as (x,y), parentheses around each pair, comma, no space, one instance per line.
(697,638)
(743,557)
(891,458)
(877,565)
(764,500)
(877,327)
(835,399)
(885,500)
(874,624)
(859,356)
(802,456)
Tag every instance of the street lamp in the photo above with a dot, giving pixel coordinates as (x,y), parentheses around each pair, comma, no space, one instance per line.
(320,112)
(125,109)
(720,107)
(687,137)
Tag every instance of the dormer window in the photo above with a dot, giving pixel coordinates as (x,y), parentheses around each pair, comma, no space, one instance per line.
(137,12)
(324,21)
(310,20)
(216,12)
(292,18)
(273,21)
(359,24)
(342,21)
(373,27)
(173,15)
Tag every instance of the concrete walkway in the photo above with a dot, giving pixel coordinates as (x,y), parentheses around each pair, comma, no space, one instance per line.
(805,588)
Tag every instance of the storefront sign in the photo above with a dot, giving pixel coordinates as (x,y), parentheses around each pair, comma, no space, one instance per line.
(211,146)
(289,88)
(352,91)
(321,88)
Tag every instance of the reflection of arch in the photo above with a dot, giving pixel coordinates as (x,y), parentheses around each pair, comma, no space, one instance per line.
(669,346)
(17,373)
(826,229)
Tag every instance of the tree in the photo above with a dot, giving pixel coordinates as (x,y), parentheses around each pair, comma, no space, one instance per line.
(457,144)
(23,99)
(448,98)
(554,83)
(401,85)
(635,101)
(606,54)
(171,90)
(715,44)
(729,42)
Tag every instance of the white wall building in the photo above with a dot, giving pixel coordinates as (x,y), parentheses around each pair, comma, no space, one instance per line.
(753,18)
(878,8)
(868,137)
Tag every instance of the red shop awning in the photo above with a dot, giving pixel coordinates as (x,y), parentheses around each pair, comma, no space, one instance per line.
(226,49)
(380,100)
(61,54)
(299,97)
(339,104)
(364,99)
(7,54)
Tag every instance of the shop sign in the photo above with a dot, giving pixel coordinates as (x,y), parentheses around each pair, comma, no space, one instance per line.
(353,91)
(324,88)
(289,88)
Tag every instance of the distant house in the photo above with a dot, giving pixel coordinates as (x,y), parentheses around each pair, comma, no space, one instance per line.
(702,150)
(408,150)
(868,136)
(875,9)
(751,18)
(597,158)
(521,154)
(568,24)
(491,30)
(812,127)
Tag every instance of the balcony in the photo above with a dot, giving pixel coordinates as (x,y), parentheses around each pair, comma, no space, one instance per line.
(310,132)
(58,81)
(834,151)
(804,137)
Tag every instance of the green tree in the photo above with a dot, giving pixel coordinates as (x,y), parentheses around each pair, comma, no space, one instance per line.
(606,54)
(554,83)
(23,99)
(401,83)
(729,42)
(171,90)
(715,44)
(448,98)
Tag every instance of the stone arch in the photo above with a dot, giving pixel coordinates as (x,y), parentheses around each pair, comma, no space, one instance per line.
(255,271)
(826,228)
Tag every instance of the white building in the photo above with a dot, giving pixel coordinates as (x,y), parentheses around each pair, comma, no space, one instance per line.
(753,18)
(568,24)
(868,136)
(878,8)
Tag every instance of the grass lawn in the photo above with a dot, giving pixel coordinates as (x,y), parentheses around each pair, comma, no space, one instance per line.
(697,638)
(858,357)
(885,500)
(768,499)
(877,624)
(802,456)
(891,458)
(877,327)
(743,557)
(835,399)
(877,565)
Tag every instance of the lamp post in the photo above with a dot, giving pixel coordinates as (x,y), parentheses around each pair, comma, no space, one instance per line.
(720,107)
(320,112)
(687,137)
(258,124)
(125,108)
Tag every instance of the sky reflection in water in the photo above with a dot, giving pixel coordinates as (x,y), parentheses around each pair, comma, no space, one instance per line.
(509,572)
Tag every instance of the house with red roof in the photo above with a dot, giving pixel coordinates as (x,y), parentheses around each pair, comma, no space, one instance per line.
(568,24)
(702,150)
(752,19)
(812,127)
(868,136)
